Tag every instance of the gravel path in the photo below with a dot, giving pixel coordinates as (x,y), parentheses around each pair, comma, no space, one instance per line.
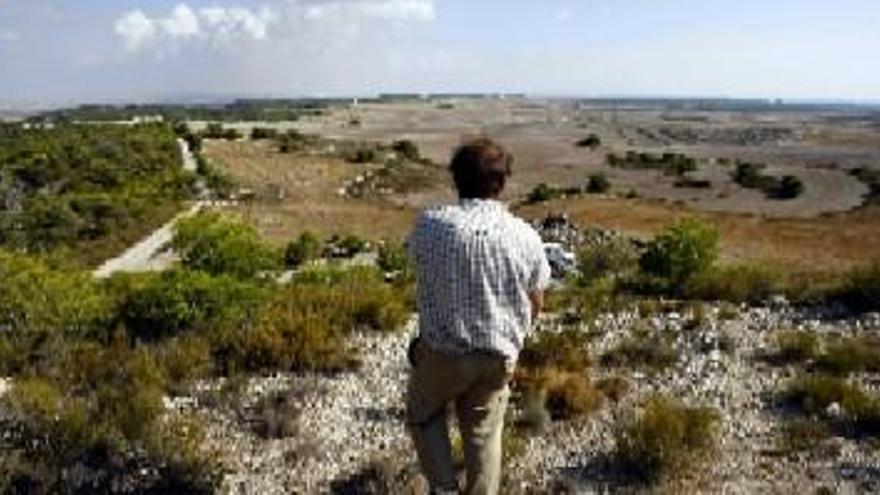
(152,253)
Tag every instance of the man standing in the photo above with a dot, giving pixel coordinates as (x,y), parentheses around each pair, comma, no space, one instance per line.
(481,276)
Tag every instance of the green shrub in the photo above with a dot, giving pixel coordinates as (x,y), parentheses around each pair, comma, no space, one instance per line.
(221,244)
(41,307)
(181,300)
(542,192)
(94,410)
(392,258)
(789,187)
(642,351)
(851,355)
(861,290)
(598,184)
(592,141)
(565,351)
(407,149)
(617,259)
(796,347)
(682,251)
(583,300)
(305,248)
(305,326)
(258,133)
(814,393)
(741,283)
(668,440)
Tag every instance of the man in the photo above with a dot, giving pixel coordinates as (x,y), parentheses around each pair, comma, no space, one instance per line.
(481,274)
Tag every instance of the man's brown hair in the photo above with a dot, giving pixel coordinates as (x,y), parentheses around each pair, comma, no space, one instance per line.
(480,169)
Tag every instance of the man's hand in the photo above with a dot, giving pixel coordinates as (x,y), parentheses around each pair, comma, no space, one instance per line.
(537,299)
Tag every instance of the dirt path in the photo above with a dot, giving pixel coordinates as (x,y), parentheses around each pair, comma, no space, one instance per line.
(152,252)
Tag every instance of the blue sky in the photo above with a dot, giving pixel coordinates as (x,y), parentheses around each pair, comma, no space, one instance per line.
(56,51)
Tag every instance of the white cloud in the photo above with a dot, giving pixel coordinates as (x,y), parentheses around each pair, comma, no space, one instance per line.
(291,18)
(135,29)
(391,10)
(215,24)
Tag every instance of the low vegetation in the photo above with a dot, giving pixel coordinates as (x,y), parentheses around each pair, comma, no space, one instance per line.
(751,176)
(836,401)
(668,440)
(93,360)
(89,189)
(642,350)
(674,164)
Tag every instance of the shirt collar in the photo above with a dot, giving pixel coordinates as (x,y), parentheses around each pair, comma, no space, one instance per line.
(480,203)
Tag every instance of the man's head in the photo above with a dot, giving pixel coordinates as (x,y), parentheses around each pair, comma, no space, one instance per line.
(480,169)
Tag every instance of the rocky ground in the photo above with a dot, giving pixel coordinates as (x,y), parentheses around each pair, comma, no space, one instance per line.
(345,434)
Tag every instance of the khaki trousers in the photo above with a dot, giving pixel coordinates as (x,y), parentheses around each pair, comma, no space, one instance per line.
(477,384)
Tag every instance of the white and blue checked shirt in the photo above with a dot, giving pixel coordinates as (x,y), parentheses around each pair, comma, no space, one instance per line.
(476,264)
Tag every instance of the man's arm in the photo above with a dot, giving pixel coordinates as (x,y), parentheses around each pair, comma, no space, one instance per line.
(537,299)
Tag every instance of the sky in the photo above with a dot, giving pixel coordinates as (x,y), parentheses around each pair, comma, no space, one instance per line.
(66,51)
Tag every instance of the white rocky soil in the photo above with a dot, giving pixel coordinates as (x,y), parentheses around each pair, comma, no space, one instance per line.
(338,425)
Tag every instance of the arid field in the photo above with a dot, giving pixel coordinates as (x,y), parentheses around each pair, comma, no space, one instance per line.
(827,227)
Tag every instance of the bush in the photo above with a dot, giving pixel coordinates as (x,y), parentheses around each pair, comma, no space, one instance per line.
(177,301)
(667,440)
(407,149)
(565,351)
(221,244)
(570,395)
(813,395)
(592,141)
(681,252)
(598,184)
(616,259)
(741,283)
(789,187)
(542,192)
(851,355)
(642,351)
(861,290)
(92,422)
(305,248)
(582,300)
(392,259)
(258,133)
(305,325)
(796,347)
(41,307)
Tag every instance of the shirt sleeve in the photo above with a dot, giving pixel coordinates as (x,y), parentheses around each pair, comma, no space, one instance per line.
(411,243)
(540,275)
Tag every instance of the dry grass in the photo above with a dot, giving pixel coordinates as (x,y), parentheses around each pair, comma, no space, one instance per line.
(312,202)
(823,244)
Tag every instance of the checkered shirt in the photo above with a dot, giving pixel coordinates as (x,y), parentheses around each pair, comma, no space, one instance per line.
(476,264)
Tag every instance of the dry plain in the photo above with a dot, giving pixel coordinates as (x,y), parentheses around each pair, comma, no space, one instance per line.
(826,228)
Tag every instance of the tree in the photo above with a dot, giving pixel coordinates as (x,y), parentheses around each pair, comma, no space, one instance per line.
(221,244)
(789,187)
(598,183)
(592,141)
(681,251)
